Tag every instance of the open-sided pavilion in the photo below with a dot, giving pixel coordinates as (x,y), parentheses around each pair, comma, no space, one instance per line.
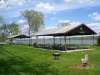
(18,36)
(69,30)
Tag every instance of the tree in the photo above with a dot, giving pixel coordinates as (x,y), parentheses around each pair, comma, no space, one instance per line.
(34,19)
(61,24)
(1,20)
(4,32)
(8,30)
(13,29)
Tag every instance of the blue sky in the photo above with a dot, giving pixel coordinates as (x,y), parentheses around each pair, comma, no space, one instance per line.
(55,11)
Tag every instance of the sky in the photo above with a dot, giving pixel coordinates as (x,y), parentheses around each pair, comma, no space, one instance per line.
(55,12)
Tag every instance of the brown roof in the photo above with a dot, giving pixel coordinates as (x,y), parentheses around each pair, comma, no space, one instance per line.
(19,36)
(69,30)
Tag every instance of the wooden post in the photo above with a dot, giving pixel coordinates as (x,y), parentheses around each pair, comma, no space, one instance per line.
(44,41)
(65,43)
(54,42)
(60,40)
(69,41)
(93,41)
(81,41)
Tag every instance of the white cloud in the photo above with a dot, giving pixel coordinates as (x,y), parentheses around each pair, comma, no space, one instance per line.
(95,26)
(24,28)
(64,21)
(75,4)
(10,22)
(21,21)
(80,1)
(50,27)
(16,2)
(68,0)
(54,13)
(95,16)
(75,23)
(45,6)
(2,4)
(10,3)
(52,18)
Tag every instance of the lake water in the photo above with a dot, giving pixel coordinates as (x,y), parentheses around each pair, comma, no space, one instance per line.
(57,41)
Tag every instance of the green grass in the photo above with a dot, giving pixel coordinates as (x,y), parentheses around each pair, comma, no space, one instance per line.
(24,60)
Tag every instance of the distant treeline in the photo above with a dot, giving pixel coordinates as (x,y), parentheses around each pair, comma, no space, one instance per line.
(76,38)
(85,38)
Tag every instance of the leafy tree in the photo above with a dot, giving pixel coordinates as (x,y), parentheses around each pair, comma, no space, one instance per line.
(1,20)
(13,29)
(4,32)
(61,24)
(35,20)
(8,30)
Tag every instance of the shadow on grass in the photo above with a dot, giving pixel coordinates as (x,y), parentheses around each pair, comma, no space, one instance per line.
(17,66)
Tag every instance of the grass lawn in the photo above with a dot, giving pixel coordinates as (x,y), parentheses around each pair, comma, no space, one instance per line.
(24,60)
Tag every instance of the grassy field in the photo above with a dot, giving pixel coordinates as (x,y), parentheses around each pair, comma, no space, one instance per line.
(24,60)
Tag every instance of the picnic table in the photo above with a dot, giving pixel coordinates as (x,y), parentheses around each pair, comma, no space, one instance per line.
(56,54)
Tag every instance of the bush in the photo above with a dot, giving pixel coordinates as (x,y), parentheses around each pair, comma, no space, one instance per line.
(98,40)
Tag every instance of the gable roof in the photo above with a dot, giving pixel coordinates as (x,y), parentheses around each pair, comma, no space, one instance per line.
(66,31)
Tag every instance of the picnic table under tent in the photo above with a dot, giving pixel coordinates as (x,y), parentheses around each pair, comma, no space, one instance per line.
(69,30)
